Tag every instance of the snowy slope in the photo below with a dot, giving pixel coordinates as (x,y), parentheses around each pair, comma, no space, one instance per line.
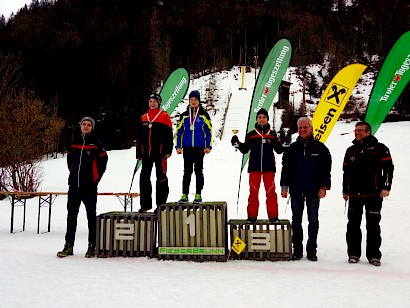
(33,276)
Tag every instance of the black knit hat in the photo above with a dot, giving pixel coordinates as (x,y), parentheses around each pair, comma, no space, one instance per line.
(196,94)
(262,111)
(157,97)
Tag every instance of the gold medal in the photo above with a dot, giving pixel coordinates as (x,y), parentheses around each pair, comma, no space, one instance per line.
(263,140)
(149,125)
(192,127)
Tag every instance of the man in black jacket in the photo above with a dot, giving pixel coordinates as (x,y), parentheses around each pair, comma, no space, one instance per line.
(87,161)
(367,179)
(306,166)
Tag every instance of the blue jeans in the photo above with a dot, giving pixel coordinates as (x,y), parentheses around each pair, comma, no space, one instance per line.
(312,205)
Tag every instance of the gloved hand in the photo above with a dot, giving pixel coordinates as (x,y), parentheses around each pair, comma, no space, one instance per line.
(235,141)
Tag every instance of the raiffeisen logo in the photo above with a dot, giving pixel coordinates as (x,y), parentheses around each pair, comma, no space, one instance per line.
(326,121)
(176,91)
(335,96)
(272,77)
(400,72)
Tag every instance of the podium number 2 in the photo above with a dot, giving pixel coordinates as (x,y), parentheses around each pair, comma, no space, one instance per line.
(190,220)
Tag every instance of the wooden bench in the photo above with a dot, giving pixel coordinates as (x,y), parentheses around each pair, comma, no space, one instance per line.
(19,198)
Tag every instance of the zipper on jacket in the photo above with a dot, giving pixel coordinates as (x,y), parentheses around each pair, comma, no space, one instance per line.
(79,164)
(261,155)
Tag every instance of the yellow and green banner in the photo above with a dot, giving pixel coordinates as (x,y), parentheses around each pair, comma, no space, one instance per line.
(334,100)
(391,81)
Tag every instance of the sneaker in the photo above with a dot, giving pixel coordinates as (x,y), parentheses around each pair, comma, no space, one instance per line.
(184,199)
(90,251)
(198,198)
(142,211)
(353,259)
(296,257)
(67,251)
(375,262)
(312,256)
(274,220)
(251,219)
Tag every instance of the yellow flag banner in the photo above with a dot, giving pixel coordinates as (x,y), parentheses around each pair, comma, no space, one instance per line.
(238,245)
(334,100)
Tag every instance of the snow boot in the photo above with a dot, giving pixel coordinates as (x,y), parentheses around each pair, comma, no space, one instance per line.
(67,251)
(91,251)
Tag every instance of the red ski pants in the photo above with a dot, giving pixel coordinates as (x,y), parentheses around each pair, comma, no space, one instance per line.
(271,197)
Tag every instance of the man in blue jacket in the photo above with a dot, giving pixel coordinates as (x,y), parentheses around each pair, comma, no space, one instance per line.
(306,166)
(86,161)
(194,140)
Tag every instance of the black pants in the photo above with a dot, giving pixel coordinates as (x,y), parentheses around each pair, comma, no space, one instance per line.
(373,206)
(162,188)
(193,161)
(88,195)
(312,207)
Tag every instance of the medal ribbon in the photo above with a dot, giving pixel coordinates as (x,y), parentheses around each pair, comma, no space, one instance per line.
(190,116)
(154,117)
(260,134)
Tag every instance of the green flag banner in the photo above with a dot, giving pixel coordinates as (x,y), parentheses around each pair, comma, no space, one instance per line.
(391,81)
(174,89)
(268,82)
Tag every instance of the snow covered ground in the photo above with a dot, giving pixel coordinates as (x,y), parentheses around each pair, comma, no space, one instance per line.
(32,275)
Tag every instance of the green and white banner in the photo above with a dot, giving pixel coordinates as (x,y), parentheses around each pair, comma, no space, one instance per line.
(174,89)
(391,81)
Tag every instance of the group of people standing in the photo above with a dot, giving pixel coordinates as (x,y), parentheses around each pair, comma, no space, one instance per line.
(154,145)
(305,176)
(87,161)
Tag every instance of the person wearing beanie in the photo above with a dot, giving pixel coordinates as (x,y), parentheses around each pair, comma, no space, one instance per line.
(193,140)
(195,94)
(86,161)
(261,142)
(154,147)
(89,119)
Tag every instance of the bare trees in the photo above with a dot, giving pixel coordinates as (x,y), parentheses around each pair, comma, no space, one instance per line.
(28,130)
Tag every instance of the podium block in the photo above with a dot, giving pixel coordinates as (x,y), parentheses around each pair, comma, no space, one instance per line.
(126,234)
(196,232)
(264,241)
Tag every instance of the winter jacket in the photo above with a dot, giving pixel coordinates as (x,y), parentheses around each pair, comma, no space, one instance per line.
(156,140)
(200,136)
(86,160)
(261,146)
(306,166)
(367,168)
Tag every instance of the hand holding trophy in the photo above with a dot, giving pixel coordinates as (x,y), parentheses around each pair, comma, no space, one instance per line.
(235,139)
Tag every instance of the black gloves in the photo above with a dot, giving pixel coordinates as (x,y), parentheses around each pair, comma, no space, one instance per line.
(235,141)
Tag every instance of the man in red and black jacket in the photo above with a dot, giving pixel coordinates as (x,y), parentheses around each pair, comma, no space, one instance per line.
(367,179)
(87,161)
(154,146)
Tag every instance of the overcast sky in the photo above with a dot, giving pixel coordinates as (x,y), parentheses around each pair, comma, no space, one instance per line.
(9,6)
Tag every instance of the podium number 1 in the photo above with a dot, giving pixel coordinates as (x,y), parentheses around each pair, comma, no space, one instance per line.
(190,220)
